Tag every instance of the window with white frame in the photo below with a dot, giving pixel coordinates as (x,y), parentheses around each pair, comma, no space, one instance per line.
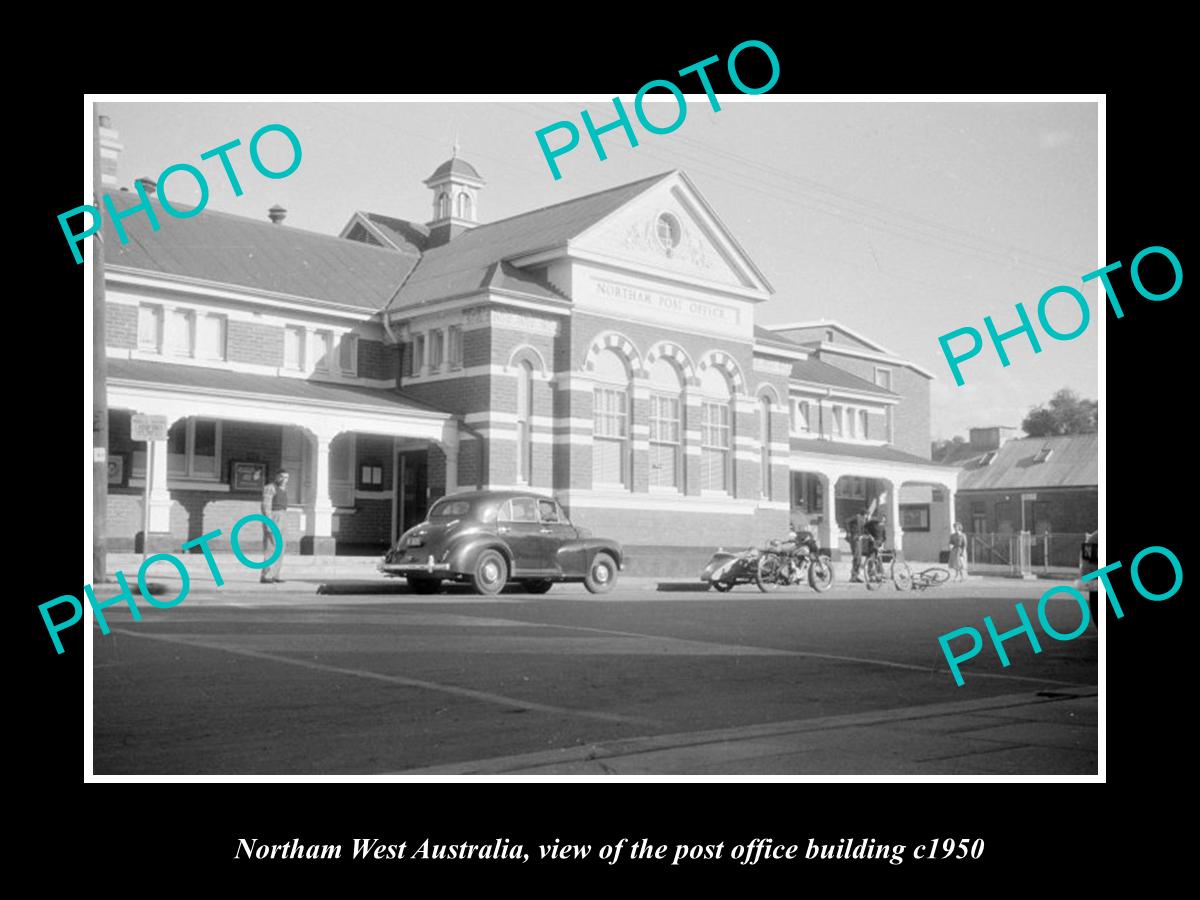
(764,433)
(524,424)
(293,348)
(182,332)
(851,423)
(664,441)
(323,350)
(418,354)
(210,336)
(715,446)
(803,417)
(454,347)
(436,349)
(883,378)
(193,451)
(342,453)
(835,420)
(150,320)
(610,431)
(862,425)
(348,354)
(177,332)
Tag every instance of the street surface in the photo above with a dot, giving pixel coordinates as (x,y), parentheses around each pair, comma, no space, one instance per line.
(368,679)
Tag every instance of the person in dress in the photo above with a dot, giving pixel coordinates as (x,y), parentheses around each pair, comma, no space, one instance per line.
(958,552)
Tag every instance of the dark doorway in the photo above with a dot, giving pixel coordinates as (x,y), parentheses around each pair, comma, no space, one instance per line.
(413,469)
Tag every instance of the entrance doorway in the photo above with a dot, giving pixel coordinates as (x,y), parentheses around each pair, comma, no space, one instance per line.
(412,498)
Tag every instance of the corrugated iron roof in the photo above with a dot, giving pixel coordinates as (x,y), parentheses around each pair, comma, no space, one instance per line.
(861,451)
(234,250)
(1073,462)
(814,370)
(222,380)
(462,265)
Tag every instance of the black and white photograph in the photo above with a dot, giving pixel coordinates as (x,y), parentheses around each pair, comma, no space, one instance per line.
(479,440)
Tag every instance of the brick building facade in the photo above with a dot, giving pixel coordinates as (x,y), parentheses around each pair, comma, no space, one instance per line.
(603,350)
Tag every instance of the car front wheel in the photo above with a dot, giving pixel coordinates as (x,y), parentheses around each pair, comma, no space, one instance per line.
(491,572)
(601,574)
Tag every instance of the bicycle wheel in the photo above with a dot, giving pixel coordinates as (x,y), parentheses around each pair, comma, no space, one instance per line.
(873,573)
(820,574)
(936,576)
(766,576)
(901,575)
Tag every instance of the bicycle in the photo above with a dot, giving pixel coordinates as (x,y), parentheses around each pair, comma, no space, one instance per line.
(931,577)
(873,563)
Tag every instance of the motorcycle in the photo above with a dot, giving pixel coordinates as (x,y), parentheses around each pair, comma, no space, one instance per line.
(726,569)
(786,563)
(778,564)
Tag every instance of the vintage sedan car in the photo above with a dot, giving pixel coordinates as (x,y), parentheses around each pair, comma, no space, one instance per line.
(492,538)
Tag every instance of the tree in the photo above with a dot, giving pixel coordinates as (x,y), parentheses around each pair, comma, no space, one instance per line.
(1065,413)
(944,448)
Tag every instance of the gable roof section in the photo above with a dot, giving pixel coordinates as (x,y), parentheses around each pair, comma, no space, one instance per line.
(405,236)
(838,326)
(814,371)
(1073,462)
(233,250)
(462,265)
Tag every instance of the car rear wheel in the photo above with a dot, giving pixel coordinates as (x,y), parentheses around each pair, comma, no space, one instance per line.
(601,574)
(491,572)
(537,587)
(425,585)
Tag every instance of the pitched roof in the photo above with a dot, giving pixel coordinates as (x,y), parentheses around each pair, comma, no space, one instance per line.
(462,265)
(223,381)
(830,323)
(1073,461)
(815,371)
(407,236)
(861,451)
(770,339)
(258,254)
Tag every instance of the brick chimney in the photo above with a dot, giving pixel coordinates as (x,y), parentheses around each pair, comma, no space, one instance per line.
(110,152)
(277,214)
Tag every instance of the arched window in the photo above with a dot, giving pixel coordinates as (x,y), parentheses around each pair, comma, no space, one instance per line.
(464,205)
(443,205)
(610,422)
(764,431)
(716,433)
(665,430)
(524,429)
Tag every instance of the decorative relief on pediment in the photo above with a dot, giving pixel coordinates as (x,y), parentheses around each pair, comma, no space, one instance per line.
(675,240)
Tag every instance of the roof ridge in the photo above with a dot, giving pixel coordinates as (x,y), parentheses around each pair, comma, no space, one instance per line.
(540,209)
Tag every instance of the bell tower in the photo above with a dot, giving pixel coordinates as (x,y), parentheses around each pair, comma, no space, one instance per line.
(455,185)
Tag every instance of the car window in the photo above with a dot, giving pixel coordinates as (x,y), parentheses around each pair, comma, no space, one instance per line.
(519,509)
(549,512)
(450,509)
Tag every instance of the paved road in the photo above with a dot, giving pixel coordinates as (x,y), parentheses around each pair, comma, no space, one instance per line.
(281,679)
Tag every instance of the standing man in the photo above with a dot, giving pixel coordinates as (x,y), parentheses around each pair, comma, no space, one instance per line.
(854,532)
(274,507)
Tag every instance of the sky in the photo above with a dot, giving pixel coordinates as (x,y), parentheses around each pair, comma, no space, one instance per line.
(902,221)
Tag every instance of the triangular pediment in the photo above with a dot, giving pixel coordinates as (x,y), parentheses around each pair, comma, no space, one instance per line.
(670,228)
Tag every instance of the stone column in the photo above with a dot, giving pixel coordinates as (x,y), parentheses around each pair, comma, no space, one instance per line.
(450,449)
(319,539)
(892,511)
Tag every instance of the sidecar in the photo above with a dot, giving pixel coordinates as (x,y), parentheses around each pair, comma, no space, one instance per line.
(726,569)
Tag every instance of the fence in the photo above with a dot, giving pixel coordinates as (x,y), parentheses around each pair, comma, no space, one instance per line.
(1024,553)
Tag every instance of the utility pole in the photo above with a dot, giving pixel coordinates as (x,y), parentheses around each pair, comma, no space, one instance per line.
(99,378)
